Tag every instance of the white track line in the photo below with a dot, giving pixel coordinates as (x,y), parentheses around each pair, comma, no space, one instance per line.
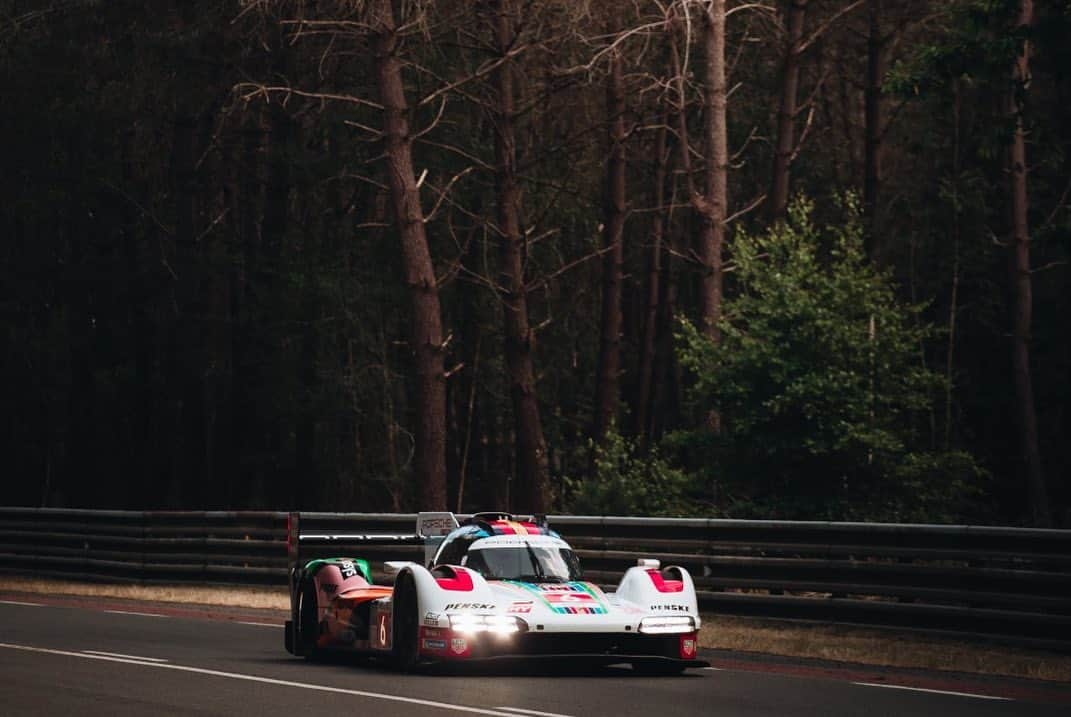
(258,624)
(24,604)
(936,692)
(266,680)
(129,612)
(126,657)
(533,712)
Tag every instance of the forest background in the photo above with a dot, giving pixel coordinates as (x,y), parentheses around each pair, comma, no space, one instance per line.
(802,259)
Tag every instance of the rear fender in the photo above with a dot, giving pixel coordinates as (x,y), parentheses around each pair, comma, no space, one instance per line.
(333,578)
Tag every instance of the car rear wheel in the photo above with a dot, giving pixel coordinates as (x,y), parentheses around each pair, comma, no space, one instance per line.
(308,621)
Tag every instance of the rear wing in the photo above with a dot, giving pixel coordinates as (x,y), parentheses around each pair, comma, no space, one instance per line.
(431,529)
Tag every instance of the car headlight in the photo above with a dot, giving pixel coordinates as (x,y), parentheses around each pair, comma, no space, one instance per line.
(666,625)
(495,624)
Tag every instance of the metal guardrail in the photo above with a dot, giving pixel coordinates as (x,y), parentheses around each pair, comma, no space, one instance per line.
(1009,582)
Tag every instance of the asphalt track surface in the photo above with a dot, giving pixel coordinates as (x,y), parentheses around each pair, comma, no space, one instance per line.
(70,657)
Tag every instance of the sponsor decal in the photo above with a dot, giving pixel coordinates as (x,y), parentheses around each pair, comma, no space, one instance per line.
(520,607)
(469,606)
(431,619)
(437,524)
(567,599)
(434,644)
(536,541)
(670,608)
(459,645)
(441,524)
(348,569)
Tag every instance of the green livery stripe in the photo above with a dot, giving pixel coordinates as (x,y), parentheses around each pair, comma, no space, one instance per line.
(313,566)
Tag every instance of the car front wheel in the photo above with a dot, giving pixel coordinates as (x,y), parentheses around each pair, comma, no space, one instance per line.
(406,623)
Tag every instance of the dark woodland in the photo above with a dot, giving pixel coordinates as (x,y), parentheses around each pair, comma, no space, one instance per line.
(798,259)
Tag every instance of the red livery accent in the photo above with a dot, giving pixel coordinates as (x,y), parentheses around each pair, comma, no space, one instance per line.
(689,645)
(665,586)
(516,527)
(461,581)
(557,598)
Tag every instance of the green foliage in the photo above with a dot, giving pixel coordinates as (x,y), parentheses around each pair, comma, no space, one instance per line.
(977,47)
(819,382)
(626,481)
(976,51)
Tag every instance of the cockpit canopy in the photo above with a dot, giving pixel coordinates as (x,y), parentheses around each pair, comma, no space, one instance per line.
(501,548)
(527,563)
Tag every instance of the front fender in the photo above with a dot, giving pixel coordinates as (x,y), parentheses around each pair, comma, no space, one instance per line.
(449,589)
(665,591)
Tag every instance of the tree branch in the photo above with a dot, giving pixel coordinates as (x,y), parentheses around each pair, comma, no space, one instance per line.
(820,30)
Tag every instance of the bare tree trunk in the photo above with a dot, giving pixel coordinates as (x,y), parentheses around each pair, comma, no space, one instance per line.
(1021,288)
(426,334)
(786,115)
(648,345)
(182,358)
(240,480)
(953,300)
(531,490)
(877,62)
(667,390)
(305,438)
(279,489)
(607,386)
(713,209)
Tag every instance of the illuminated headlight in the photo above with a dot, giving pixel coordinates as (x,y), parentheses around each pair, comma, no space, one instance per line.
(495,624)
(666,625)
(467,623)
(501,625)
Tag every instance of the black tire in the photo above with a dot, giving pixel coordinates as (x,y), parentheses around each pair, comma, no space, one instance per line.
(658,669)
(406,626)
(308,626)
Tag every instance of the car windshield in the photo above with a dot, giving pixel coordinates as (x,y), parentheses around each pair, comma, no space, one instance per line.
(527,563)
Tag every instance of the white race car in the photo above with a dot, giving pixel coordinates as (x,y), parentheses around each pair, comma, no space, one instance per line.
(493,587)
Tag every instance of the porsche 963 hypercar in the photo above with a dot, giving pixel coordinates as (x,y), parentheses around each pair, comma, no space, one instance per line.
(491,586)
